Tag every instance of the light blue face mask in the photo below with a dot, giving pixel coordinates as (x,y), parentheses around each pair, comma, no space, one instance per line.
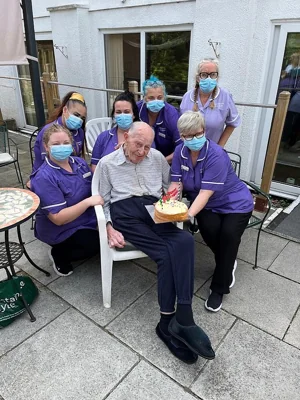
(74,122)
(124,121)
(155,105)
(207,85)
(195,144)
(61,152)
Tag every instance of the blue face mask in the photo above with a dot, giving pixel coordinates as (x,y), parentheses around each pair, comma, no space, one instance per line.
(207,85)
(61,152)
(195,144)
(73,122)
(124,121)
(155,105)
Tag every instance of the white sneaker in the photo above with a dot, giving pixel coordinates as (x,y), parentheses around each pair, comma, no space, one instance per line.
(233,277)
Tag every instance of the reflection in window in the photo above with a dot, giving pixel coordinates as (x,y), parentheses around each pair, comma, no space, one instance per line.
(287,168)
(46,64)
(167,57)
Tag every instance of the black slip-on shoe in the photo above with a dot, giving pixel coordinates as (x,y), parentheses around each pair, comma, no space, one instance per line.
(177,348)
(193,337)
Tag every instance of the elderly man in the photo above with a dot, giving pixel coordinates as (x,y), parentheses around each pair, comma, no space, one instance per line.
(131,178)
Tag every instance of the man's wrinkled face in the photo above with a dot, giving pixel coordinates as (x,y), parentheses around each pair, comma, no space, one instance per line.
(138,145)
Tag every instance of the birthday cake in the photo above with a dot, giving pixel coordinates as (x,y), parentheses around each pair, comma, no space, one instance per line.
(169,210)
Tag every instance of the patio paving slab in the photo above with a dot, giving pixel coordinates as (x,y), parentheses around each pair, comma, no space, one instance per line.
(269,248)
(261,298)
(69,359)
(250,365)
(136,328)
(83,289)
(147,383)
(45,308)
(38,251)
(293,334)
(26,232)
(287,263)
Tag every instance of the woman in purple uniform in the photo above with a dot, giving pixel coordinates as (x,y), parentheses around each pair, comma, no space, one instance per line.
(161,116)
(66,218)
(215,103)
(71,114)
(220,201)
(124,113)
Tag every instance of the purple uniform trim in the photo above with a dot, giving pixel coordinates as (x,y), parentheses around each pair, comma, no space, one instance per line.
(39,150)
(216,119)
(58,189)
(105,144)
(213,171)
(165,128)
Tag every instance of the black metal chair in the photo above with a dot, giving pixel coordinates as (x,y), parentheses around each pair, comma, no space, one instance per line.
(256,219)
(7,155)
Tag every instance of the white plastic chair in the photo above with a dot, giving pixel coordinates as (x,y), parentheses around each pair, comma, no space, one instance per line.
(109,255)
(93,129)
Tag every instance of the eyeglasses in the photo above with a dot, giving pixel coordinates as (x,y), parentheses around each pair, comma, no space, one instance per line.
(197,135)
(212,75)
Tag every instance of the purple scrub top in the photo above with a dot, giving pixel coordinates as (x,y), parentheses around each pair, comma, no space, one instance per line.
(213,171)
(105,144)
(39,150)
(224,113)
(58,189)
(166,133)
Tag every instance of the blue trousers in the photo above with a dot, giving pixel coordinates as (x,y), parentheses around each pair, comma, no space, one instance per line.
(170,247)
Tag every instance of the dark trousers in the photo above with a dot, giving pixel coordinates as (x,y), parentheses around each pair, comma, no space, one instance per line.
(170,247)
(222,233)
(84,243)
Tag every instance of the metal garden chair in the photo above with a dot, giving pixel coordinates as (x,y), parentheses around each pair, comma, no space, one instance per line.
(7,155)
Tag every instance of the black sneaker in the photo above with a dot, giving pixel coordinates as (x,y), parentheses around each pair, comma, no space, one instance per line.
(214,302)
(193,228)
(61,270)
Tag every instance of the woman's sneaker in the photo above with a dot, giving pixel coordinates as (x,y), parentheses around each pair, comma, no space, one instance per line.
(233,275)
(61,270)
(214,302)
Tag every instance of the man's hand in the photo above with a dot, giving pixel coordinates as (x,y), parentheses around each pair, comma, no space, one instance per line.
(115,238)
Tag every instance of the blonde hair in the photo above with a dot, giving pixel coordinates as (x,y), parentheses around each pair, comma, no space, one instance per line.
(190,122)
(53,129)
(196,91)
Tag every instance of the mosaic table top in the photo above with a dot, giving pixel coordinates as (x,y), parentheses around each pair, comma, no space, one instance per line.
(16,205)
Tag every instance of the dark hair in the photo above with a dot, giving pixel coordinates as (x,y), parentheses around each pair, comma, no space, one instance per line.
(66,102)
(127,96)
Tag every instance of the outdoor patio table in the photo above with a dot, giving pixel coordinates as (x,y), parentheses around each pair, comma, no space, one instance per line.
(16,207)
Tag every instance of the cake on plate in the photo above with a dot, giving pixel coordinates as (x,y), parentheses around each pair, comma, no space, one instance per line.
(169,210)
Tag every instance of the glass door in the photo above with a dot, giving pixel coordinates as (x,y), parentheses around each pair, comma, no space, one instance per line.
(287,168)
(283,73)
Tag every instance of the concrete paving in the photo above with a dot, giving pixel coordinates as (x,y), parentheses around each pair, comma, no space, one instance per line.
(76,349)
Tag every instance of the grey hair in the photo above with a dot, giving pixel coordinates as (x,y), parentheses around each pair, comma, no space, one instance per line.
(190,122)
(206,61)
(137,126)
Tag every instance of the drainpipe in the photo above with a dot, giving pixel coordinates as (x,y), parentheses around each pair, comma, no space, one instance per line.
(33,65)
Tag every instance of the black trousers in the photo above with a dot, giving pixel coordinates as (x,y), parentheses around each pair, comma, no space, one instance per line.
(170,247)
(222,233)
(84,243)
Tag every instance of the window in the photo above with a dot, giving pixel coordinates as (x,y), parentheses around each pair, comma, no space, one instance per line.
(46,64)
(135,56)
